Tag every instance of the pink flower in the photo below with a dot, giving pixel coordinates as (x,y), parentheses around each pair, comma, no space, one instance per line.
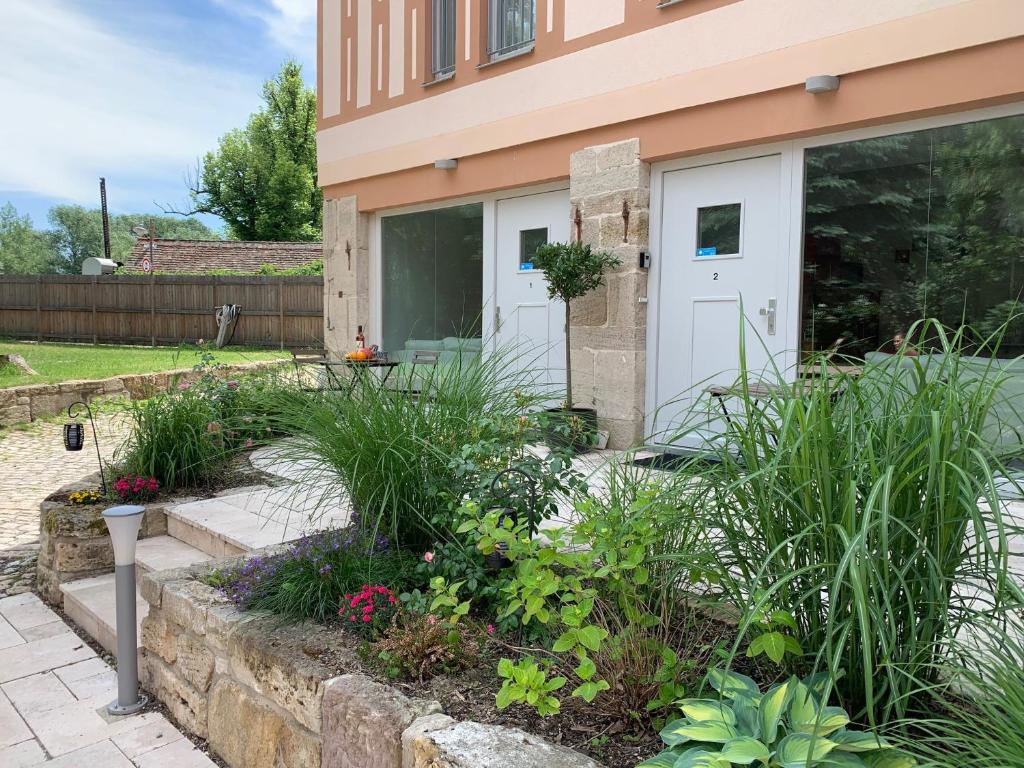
(232,384)
(248,443)
(183,385)
(428,556)
(367,618)
(431,619)
(490,629)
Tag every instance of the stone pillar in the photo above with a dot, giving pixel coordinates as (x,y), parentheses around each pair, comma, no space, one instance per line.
(609,187)
(346,275)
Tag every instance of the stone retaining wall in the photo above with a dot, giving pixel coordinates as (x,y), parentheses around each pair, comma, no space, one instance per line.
(74,543)
(23,404)
(244,683)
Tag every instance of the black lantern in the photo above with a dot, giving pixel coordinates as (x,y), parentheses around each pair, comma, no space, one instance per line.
(74,436)
(511,490)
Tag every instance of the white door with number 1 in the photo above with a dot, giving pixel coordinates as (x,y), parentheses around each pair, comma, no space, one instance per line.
(526,320)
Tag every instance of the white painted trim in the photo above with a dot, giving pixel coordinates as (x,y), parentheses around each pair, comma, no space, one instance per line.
(789,277)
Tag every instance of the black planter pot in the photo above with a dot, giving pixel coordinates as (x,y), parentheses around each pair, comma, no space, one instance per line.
(572,428)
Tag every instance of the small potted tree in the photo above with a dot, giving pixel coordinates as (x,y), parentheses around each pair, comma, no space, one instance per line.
(572,270)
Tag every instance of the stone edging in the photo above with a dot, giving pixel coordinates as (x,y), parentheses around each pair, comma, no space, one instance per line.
(34,401)
(242,682)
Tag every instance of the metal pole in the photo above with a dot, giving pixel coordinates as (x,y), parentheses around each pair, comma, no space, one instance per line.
(128,698)
(95,439)
(124,522)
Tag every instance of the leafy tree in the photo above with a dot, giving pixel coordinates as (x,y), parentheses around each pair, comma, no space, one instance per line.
(77,233)
(572,270)
(261,180)
(23,250)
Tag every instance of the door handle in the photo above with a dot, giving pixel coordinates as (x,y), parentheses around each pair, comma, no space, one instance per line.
(769,313)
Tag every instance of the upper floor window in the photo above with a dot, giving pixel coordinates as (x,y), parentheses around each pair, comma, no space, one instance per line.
(513,25)
(443,31)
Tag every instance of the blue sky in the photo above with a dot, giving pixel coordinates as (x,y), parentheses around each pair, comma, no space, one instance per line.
(133,90)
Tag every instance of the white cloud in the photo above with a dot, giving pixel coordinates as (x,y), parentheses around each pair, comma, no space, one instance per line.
(81,102)
(291,24)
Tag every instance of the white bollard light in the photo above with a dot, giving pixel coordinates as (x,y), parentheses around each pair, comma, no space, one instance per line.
(124,522)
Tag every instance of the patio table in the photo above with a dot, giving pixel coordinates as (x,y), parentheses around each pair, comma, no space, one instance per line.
(358,372)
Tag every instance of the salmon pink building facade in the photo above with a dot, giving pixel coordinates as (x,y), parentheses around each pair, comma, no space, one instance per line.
(831,169)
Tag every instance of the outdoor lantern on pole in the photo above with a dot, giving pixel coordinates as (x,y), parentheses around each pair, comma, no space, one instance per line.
(74,437)
(124,522)
(510,489)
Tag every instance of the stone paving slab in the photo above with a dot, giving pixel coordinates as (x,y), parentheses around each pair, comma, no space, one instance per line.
(53,696)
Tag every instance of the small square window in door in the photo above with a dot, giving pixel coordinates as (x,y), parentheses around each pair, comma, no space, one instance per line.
(529,241)
(718,230)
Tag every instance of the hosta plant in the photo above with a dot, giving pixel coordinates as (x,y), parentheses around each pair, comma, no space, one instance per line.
(790,726)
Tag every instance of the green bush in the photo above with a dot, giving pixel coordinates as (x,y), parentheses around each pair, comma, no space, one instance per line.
(851,505)
(175,437)
(185,436)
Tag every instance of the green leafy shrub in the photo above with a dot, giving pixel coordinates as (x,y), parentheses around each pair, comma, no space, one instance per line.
(850,504)
(598,589)
(789,726)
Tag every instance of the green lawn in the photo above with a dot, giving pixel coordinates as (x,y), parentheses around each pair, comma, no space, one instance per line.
(63,362)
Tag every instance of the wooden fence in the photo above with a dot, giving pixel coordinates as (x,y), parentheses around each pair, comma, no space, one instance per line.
(162,310)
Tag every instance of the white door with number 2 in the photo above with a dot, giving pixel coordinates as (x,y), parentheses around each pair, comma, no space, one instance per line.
(721,248)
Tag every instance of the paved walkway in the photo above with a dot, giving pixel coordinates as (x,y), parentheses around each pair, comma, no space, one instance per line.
(33,464)
(53,696)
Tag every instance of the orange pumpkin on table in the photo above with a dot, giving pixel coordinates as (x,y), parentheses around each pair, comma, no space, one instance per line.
(359,355)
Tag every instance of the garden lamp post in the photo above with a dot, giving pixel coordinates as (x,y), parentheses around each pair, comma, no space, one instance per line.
(124,522)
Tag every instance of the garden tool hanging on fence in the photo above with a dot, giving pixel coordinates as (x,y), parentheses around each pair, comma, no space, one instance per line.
(227,317)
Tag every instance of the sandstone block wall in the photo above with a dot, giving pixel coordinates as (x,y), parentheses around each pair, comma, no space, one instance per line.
(245,683)
(23,404)
(346,275)
(609,190)
(74,542)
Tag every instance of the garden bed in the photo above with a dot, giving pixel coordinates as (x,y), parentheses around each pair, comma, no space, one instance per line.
(263,693)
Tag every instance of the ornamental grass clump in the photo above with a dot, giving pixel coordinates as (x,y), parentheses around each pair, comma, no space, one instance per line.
(404,461)
(853,505)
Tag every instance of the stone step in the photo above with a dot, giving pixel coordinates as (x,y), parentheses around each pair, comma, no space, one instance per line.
(91,604)
(234,524)
(161,553)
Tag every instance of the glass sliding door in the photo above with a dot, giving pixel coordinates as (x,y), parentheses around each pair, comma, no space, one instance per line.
(432,279)
(922,224)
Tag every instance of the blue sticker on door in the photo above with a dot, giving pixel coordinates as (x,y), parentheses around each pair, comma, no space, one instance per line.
(709,251)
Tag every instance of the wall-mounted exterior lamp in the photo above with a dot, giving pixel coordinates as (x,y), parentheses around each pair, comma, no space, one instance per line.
(822,83)
(124,522)
(446,164)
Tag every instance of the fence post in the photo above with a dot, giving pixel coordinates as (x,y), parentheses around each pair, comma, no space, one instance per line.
(152,309)
(95,338)
(280,311)
(39,308)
